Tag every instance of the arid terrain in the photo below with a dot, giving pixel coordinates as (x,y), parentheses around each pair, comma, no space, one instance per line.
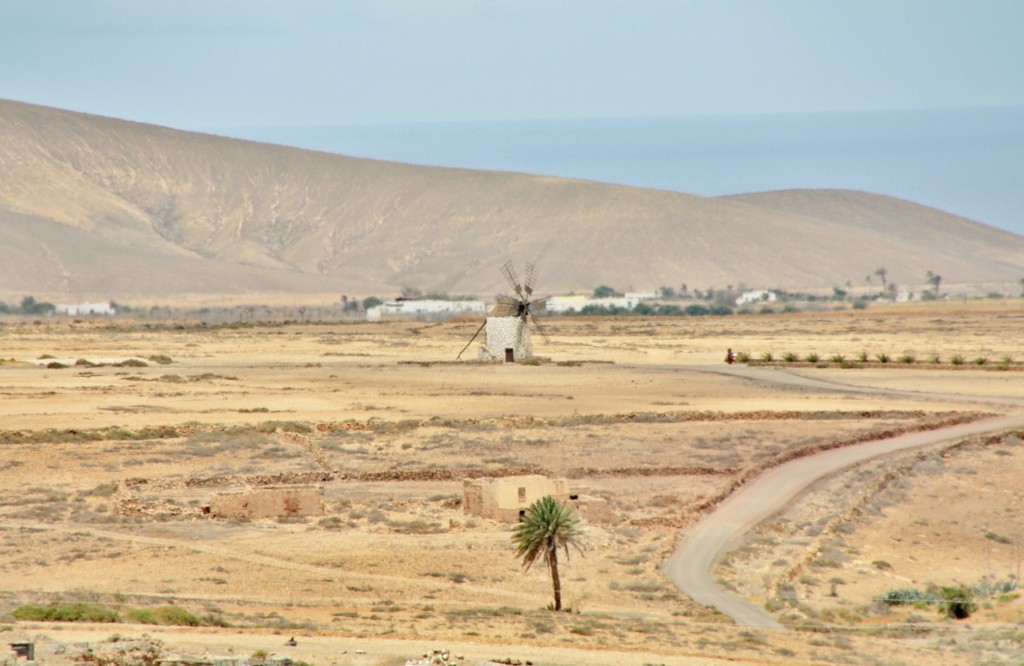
(116,434)
(185,214)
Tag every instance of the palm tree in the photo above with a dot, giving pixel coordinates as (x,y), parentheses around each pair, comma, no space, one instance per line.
(547,526)
(881,272)
(934,280)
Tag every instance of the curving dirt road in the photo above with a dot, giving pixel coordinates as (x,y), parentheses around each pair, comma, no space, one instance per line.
(690,567)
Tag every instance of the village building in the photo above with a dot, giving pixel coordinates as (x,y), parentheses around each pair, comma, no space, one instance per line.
(576,302)
(81,309)
(422,309)
(756,296)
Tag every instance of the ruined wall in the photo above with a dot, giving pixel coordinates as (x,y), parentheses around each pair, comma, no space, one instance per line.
(269,503)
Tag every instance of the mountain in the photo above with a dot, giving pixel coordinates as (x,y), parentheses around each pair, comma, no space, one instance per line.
(93,206)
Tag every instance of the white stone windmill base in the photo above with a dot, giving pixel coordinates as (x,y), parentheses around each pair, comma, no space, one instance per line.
(506,339)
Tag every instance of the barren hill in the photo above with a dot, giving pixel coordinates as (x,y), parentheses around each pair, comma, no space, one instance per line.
(97,206)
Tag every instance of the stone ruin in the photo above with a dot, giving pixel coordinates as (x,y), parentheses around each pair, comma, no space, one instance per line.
(506,499)
(268,503)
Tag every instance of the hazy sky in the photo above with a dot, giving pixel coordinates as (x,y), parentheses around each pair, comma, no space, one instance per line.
(233,63)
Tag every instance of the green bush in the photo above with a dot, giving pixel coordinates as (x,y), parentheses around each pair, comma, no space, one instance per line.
(790,357)
(164,615)
(882,357)
(812,357)
(62,612)
(907,358)
(956,359)
(903,597)
(957,603)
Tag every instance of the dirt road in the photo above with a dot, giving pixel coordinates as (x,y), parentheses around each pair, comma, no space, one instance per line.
(691,565)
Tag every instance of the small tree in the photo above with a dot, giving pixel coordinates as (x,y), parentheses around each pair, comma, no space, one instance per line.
(957,603)
(547,526)
(604,291)
(934,280)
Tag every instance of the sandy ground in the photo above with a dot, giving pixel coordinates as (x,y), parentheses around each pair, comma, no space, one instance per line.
(104,470)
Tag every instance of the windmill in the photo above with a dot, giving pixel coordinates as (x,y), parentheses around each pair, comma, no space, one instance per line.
(507,335)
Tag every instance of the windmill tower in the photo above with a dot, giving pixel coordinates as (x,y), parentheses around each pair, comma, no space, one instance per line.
(507,327)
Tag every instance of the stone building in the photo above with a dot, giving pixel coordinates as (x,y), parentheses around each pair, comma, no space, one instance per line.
(269,503)
(506,499)
(506,339)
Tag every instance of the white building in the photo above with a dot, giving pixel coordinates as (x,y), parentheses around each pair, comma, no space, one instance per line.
(756,296)
(86,309)
(423,309)
(575,302)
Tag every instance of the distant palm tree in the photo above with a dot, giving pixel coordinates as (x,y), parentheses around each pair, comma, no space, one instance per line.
(881,272)
(934,280)
(547,526)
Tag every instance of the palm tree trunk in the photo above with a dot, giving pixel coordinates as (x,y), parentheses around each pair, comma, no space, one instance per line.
(556,583)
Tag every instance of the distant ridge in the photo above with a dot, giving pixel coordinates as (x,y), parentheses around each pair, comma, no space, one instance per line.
(92,205)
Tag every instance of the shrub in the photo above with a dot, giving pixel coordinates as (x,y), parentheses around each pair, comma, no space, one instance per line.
(935,358)
(956,359)
(981,360)
(742,357)
(161,359)
(903,597)
(163,615)
(62,612)
(863,356)
(907,358)
(957,603)
(882,357)
(767,357)
(790,357)
(838,358)
(812,357)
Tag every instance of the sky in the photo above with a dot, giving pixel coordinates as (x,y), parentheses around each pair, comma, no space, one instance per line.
(196,64)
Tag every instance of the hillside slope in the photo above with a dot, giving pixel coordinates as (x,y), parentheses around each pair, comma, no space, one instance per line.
(92,205)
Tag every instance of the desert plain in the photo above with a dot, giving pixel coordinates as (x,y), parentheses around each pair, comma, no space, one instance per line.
(115,434)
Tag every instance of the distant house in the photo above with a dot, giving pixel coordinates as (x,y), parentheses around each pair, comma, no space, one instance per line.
(576,303)
(81,309)
(422,309)
(757,296)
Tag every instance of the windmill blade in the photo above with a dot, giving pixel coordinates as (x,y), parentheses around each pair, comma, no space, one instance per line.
(509,271)
(540,330)
(471,339)
(539,305)
(531,278)
(506,306)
